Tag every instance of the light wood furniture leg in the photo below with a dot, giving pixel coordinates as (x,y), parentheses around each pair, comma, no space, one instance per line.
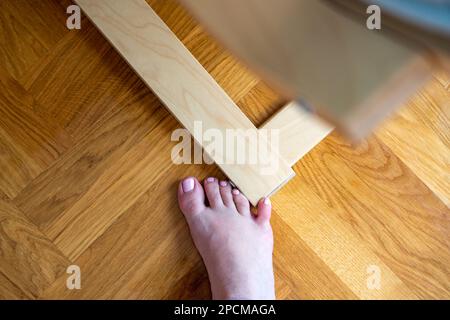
(191,94)
(300,131)
(183,85)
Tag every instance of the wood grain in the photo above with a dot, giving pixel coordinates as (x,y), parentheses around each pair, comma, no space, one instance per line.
(314,223)
(29,143)
(111,194)
(24,40)
(261,103)
(85,164)
(76,100)
(299,130)
(420,135)
(29,261)
(237,81)
(184,86)
(108,200)
(153,231)
(304,272)
(394,199)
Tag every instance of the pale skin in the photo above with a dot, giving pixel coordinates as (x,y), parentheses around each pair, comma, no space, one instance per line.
(236,245)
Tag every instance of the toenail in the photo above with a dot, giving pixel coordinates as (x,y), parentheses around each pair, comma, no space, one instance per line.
(210,179)
(223,183)
(188,184)
(267,201)
(235,192)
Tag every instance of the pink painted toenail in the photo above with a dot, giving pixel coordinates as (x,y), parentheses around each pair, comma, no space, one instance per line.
(267,201)
(188,184)
(210,179)
(223,183)
(235,192)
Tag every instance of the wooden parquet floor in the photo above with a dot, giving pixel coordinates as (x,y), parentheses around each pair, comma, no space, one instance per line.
(86,178)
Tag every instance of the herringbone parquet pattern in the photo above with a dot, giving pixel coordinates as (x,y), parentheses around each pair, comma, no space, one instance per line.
(86,178)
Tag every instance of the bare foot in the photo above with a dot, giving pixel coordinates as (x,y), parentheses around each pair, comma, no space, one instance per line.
(235,245)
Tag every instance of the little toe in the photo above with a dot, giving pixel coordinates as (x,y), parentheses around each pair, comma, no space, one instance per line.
(212,192)
(225,192)
(241,202)
(191,197)
(264,211)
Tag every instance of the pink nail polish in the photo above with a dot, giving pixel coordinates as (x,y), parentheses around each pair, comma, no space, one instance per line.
(223,183)
(210,179)
(235,192)
(187,184)
(267,201)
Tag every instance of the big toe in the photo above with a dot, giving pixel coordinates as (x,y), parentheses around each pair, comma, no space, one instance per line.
(191,197)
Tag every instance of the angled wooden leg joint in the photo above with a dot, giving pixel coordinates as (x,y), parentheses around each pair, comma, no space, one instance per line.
(191,94)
